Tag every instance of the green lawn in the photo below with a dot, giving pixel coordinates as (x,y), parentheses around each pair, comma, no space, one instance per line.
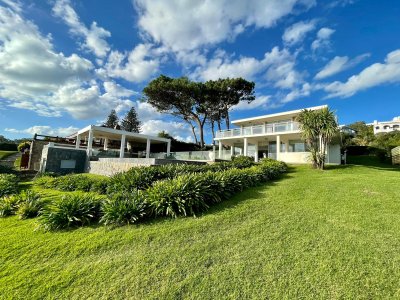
(5,154)
(320,235)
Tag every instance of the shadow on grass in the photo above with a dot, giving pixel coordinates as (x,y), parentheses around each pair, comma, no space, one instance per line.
(371,162)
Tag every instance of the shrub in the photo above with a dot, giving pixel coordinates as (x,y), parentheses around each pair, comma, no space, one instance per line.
(30,205)
(8,146)
(71,211)
(123,208)
(8,184)
(6,170)
(184,195)
(99,185)
(8,205)
(242,162)
(24,145)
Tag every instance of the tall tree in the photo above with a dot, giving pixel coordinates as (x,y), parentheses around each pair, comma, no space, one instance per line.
(228,92)
(182,98)
(364,133)
(131,122)
(112,120)
(318,128)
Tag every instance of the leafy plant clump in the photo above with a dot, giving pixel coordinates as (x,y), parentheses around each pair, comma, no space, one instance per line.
(8,205)
(123,208)
(71,211)
(8,184)
(30,205)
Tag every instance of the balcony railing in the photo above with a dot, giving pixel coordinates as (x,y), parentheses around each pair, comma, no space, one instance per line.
(259,129)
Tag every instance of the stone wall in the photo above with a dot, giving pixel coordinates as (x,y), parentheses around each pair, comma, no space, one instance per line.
(63,160)
(35,154)
(111,166)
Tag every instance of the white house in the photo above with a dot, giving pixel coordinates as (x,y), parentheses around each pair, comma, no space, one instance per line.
(275,136)
(386,126)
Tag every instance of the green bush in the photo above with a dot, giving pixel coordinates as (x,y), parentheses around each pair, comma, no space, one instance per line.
(123,208)
(30,205)
(8,205)
(74,182)
(8,184)
(6,170)
(71,211)
(242,162)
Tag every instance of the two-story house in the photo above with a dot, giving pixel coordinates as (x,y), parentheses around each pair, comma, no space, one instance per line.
(275,136)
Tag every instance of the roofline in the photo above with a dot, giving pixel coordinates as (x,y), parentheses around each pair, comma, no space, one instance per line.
(121,132)
(279,114)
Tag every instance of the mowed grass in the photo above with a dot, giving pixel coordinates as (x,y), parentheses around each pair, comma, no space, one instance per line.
(311,235)
(5,154)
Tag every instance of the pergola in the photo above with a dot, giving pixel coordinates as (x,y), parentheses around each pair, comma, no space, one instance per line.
(90,132)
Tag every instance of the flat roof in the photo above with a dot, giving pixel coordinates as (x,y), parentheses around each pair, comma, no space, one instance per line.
(104,132)
(276,115)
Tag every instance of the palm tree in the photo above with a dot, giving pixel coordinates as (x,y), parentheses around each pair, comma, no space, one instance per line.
(318,128)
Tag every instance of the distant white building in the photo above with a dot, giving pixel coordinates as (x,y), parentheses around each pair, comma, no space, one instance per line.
(386,126)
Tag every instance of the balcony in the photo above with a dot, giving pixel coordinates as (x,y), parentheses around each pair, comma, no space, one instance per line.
(271,128)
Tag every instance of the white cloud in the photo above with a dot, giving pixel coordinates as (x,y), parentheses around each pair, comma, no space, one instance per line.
(135,66)
(277,68)
(323,38)
(94,37)
(339,64)
(374,75)
(261,102)
(13,4)
(297,32)
(396,118)
(187,25)
(296,93)
(45,130)
(33,76)
(179,130)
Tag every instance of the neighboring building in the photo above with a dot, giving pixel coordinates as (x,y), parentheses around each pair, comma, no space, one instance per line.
(275,136)
(387,126)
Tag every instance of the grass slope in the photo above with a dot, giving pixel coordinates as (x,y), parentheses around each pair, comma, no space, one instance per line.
(331,234)
(5,154)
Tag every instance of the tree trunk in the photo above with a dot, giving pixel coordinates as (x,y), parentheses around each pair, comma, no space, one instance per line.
(219,124)
(227,119)
(194,132)
(213,132)
(201,129)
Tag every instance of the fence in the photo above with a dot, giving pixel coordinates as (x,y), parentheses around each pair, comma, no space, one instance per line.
(396,155)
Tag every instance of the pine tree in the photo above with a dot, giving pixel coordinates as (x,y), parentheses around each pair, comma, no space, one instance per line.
(131,122)
(112,120)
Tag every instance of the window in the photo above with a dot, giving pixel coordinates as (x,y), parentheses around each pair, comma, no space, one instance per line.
(377,127)
(68,164)
(297,146)
(386,127)
(396,127)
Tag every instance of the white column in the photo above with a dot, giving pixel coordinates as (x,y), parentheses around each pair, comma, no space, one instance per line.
(219,149)
(122,148)
(77,141)
(287,146)
(245,147)
(168,147)
(232,151)
(106,144)
(256,152)
(90,143)
(278,147)
(148,148)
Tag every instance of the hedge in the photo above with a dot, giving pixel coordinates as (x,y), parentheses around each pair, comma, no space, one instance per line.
(184,195)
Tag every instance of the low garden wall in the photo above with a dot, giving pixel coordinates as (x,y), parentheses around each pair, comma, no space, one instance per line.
(111,166)
(396,156)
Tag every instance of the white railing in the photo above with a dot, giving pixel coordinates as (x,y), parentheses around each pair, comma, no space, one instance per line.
(259,129)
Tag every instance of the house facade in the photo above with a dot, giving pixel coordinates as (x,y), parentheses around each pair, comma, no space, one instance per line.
(276,136)
(386,126)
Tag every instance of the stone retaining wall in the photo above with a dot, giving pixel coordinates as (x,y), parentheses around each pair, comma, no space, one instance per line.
(111,166)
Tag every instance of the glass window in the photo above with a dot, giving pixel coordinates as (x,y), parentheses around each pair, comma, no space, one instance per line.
(377,127)
(297,146)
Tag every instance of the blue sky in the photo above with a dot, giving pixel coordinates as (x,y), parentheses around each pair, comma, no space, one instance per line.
(65,64)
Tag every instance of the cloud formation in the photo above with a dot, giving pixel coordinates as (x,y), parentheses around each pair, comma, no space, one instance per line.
(339,64)
(187,25)
(94,38)
(374,75)
(45,130)
(297,32)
